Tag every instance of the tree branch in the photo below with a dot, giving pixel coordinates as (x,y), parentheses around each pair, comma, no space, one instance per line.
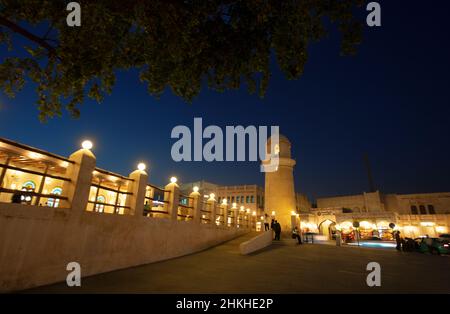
(20,30)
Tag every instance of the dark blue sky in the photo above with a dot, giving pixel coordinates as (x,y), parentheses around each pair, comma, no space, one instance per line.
(391,100)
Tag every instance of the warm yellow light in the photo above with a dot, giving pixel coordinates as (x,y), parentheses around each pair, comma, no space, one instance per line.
(113,179)
(212,196)
(254,213)
(248,210)
(262,217)
(441,229)
(224,201)
(234,205)
(293,213)
(34,155)
(13,186)
(195,189)
(65,164)
(87,144)
(141,166)
(427,224)
(242,208)
(273,213)
(365,225)
(173,180)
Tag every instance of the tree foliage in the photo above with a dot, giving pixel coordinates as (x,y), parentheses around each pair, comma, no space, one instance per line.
(181,44)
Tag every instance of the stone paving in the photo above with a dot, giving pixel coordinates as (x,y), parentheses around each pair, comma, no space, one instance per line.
(284,267)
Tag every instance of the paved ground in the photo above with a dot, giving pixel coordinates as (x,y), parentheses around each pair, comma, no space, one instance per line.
(282,268)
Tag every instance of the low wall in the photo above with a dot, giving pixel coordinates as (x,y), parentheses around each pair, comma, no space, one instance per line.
(257,243)
(37,243)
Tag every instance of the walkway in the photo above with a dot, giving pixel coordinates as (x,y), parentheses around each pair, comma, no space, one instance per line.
(282,268)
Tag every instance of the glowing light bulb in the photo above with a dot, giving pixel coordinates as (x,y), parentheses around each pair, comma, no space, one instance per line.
(195,189)
(173,180)
(141,166)
(87,144)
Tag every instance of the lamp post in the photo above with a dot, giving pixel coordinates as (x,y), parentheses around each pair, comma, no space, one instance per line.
(356,226)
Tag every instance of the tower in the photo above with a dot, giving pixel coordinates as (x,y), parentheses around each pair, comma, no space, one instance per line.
(279,184)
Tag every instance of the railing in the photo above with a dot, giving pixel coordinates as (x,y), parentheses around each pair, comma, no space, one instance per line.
(109,192)
(154,204)
(31,176)
(206,213)
(185,208)
(34,177)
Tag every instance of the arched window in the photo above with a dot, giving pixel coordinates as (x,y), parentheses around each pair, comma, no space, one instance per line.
(414,210)
(431,210)
(29,186)
(54,202)
(100,207)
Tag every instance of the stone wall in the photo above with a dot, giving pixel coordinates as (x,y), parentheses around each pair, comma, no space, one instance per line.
(37,243)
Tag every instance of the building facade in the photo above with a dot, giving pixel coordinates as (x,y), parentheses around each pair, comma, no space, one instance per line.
(414,215)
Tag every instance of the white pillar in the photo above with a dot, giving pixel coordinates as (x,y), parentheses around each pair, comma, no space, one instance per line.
(79,172)
(197,205)
(138,188)
(224,210)
(212,205)
(172,196)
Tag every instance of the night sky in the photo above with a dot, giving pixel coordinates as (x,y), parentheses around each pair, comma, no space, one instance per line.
(391,101)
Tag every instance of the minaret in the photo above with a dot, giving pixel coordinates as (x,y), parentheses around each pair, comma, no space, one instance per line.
(279,186)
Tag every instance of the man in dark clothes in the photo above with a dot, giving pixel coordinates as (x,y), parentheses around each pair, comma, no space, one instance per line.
(398,240)
(16,198)
(277,229)
(272,224)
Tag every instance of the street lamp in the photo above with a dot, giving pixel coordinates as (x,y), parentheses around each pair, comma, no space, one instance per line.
(87,144)
(141,166)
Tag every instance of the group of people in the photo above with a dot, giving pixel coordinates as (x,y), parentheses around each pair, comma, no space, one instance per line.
(276,227)
(405,244)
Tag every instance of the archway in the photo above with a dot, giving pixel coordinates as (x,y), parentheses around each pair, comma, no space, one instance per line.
(328,229)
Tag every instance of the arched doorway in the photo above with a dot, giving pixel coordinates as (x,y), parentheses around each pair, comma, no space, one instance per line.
(328,229)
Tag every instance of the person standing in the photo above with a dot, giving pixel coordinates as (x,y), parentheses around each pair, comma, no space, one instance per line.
(266,223)
(398,240)
(277,229)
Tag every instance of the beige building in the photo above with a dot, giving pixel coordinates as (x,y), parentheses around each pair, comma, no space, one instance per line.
(414,215)
(247,198)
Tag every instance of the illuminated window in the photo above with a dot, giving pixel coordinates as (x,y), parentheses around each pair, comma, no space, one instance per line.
(29,185)
(100,207)
(414,210)
(52,202)
(431,210)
